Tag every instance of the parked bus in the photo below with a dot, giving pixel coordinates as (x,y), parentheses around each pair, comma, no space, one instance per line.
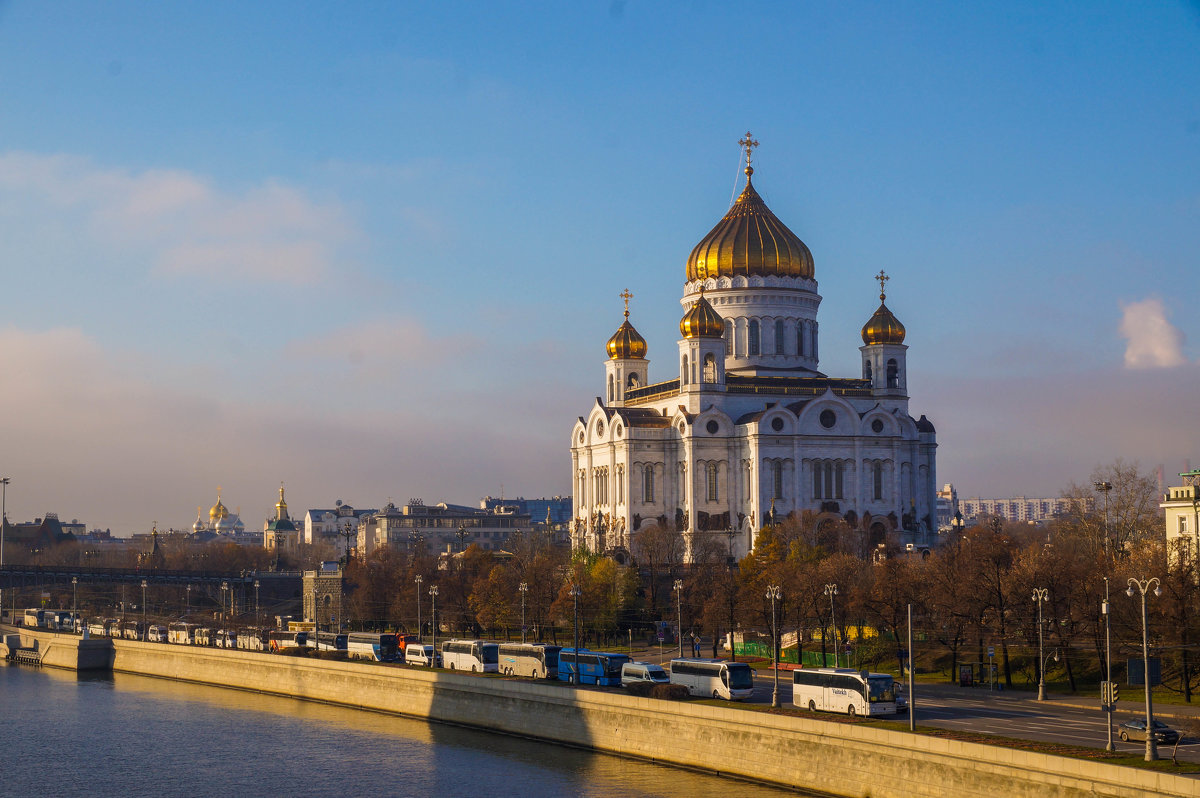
(331,641)
(131,630)
(112,627)
(282,640)
(713,678)
(225,638)
(529,659)
(844,690)
(156,634)
(595,667)
(96,628)
(370,645)
(35,618)
(204,636)
(252,639)
(183,633)
(470,655)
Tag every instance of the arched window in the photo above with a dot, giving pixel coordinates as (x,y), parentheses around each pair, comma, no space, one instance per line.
(828,479)
(779,336)
(712,482)
(648,484)
(777,478)
(610,387)
(752,340)
(634,382)
(620,484)
(710,368)
(877,475)
(893,374)
(800,339)
(866,370)
(683,370)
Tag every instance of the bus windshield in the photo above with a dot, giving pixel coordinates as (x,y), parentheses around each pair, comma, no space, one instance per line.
(613,663)
(882,688)
(489,654)
(740,676)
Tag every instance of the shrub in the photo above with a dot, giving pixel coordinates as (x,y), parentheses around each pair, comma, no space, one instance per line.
(669,692)
(640,689)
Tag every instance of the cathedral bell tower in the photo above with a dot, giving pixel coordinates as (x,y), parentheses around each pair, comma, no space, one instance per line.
(701,353)
(883,350)
(627,366)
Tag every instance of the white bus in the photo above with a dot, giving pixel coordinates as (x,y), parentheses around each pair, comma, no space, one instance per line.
(371,645)
(844,690)
(713,678)
(470,655)
(252,639)
(529,659)
(183,633)
(156,634)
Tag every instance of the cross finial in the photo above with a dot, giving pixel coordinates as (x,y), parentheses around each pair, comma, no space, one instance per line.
(626,295)
(882,278)
(748,144)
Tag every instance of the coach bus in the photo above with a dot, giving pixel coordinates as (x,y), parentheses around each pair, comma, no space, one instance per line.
(253,639)
(334,642)
(470,655)
(594,667)
(181,632)
(713,678)
(371,645)
(529,659)
(281,640)
(844,690)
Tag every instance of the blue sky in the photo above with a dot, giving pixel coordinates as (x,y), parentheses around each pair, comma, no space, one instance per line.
(374,250)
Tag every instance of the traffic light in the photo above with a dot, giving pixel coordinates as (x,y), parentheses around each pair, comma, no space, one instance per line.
(1106,693)
(1115,690)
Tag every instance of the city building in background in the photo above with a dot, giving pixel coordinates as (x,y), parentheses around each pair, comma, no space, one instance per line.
(221,524)
(323,592)
(328,525)
(280,534)
(441,527)
(556,511)
(748,429)
(1022,508)
(1181,511)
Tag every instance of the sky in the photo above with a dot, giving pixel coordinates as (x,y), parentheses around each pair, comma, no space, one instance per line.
(373,251)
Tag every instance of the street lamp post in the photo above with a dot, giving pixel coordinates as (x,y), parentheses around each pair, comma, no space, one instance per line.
(1040,594)
(1108,707)
(188,598)
(257,606)
(679,612)
(74,605)
(224,615)
(3,525)
(831,591)
(418,579)
(524,588)
(316,620)
(462,538)
(774,594)
(433,591)
(1104,487)
(575,669)
(143,609)
(729,533)
(1143,586)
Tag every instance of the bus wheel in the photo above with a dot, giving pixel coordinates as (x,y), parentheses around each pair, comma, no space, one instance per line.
(850,710)
(451,666)
(472,669)
(716,694)
(812,706)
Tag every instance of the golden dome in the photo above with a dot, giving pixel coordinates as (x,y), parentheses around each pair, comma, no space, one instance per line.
(626,342)
(218,510)
(281,505)
(750,240)
(883,327)
(701,321)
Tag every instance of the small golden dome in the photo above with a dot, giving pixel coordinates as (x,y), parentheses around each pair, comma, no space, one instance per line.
(626,342)
(701,321)
(750,240)
(883,328)
(218,510)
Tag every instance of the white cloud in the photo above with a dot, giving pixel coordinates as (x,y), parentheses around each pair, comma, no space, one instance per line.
(186,225)
(1152,341)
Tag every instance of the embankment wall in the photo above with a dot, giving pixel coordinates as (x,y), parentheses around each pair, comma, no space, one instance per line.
(797,751)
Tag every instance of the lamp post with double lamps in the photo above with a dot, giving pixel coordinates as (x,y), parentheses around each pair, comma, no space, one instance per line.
(433,591)
(1144,586)
(831,591)
(418,579)
(524,588)
(74,604)
(3,525)
(257,606)
(1104,487)
(678,586)
(1040,594)
(774,594)
(575,592)
(144,629)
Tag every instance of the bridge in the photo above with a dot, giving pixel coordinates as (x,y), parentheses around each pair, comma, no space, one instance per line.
(21,576)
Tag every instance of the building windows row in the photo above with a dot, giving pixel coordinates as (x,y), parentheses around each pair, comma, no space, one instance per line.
(748,341)
(829,478)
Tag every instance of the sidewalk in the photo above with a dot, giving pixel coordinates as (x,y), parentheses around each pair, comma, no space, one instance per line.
(1130,704)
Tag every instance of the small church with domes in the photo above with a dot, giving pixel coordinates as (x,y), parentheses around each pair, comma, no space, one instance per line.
(747,429)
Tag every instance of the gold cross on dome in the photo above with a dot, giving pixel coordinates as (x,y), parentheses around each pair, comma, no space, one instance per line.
(626,295)
(748,144)
(882,278)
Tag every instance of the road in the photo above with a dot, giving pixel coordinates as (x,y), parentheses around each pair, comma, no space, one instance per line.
(1016,715)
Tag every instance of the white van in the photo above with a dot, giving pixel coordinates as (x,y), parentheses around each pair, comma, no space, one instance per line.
(417,654)
(634,672)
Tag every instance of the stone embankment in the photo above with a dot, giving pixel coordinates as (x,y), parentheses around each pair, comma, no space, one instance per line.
(797,751)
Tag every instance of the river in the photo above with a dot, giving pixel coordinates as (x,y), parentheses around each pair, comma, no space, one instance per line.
(64,734)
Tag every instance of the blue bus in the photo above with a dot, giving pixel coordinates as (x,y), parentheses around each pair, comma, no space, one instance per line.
(595,667)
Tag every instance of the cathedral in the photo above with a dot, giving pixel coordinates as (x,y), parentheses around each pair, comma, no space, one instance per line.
(748,430)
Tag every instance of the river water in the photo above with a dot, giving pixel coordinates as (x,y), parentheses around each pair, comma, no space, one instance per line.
(63,734)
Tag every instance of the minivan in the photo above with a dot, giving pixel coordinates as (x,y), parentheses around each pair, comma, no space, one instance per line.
(417,654)
(634,672)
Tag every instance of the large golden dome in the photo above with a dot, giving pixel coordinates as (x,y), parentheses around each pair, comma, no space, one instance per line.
(701,321)
(883,327)
(750,240)
(218,510)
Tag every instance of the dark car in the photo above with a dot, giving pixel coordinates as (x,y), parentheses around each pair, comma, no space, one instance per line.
(1136,730)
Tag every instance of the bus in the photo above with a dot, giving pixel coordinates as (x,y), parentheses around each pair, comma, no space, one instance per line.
(282,640)
(132,630)
(35,618)
(183,633)
(595,667)
(253,639)
(331,641)
(529,659)
(844,690)
(156,634)
(371,645)
(96,628)
(470,655)
(225,638)
(713,678)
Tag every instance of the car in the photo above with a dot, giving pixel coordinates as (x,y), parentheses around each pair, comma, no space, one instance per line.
(635,672)
(1136,730)
(417,654)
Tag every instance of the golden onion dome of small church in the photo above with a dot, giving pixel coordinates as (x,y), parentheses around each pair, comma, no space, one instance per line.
(750,240)
(281,505)
(626,342)
(883,327)
(701,321)
(218,510)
